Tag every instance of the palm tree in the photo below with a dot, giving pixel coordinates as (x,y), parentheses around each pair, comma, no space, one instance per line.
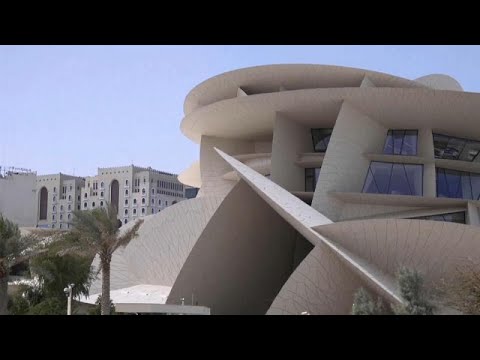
(96,232)
(14,249)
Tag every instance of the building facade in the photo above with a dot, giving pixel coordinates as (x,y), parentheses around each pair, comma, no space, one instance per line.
(314,181)
(18,196)
(48,201)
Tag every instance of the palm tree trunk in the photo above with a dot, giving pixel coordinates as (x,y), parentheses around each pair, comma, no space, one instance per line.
(105,303)
(3,294)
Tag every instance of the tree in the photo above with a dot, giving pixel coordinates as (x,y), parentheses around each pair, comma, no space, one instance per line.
(462,292)
(97,232)
(14,249)
(413,292)
(97,310)
(363,304)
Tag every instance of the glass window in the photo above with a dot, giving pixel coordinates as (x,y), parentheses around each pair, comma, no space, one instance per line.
(143,201)
(85,205)
(126,211)
(101,203)
(143,210)
(458,184)
(321,138)
(453,148)
(69,216)
(134,211)
(401,142)
(93,204)
(125,221)
(134,201)
(126,201)
(456,217)
(311,179)
(69,197)
(143,191)
(126,192)
(69,207)
(395,179)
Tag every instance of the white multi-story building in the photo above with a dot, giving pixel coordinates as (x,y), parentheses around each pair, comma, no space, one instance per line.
(135,191)
(48,201)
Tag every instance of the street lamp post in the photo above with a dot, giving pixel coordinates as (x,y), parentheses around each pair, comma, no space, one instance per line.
(68,291)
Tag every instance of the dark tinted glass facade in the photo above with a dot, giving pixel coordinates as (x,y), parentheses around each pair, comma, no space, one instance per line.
(401,142)
(395,179)
(311,178)
(456,217)
(452,148)
(458,184)
(320,138)
(190,193)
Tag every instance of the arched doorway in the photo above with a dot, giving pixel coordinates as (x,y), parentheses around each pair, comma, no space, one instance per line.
(114,193)
(43,203)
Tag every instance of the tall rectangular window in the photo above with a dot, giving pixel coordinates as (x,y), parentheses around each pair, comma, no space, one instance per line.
(321,138)
(458,184)
(401,142)
(395,179)
(453,148)
(311,179)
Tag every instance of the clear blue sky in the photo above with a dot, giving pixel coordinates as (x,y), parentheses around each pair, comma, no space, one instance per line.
(82,107)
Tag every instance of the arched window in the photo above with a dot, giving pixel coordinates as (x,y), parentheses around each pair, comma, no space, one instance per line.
(43,203)
(85,205)
(126,182)
(60,225)
(101,193)
(125,221)
(93,204)
(54,208)
(126,201)
(61,216)
(126,211)
(134,201)
(115,194)
(143,201)
(102,185)
(143,210)
(69,207)
(54,189)
(70,189)
(69,197)
(153,211)
(54,198)
(78,198)
(78,207)
(126,192)
(101,203)
(69,216)
(61,207)
(134,211)
(153,201)
(153,191)
(159,202)
(143,191)
(85,196)
(53,217)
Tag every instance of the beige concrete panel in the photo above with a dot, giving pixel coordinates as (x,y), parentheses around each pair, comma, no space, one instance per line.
(263,146)
(252,117)
(289,140)
(366,82)
(432,247)
(294,210)
(344,167)
(191,176)
(440,82)
(212,166)
(273,78)
(165,239)
(473,214)
(320,285)
(352,211)
(239,263)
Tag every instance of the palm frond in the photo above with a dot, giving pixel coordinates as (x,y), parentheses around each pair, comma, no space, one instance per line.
(130,234)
